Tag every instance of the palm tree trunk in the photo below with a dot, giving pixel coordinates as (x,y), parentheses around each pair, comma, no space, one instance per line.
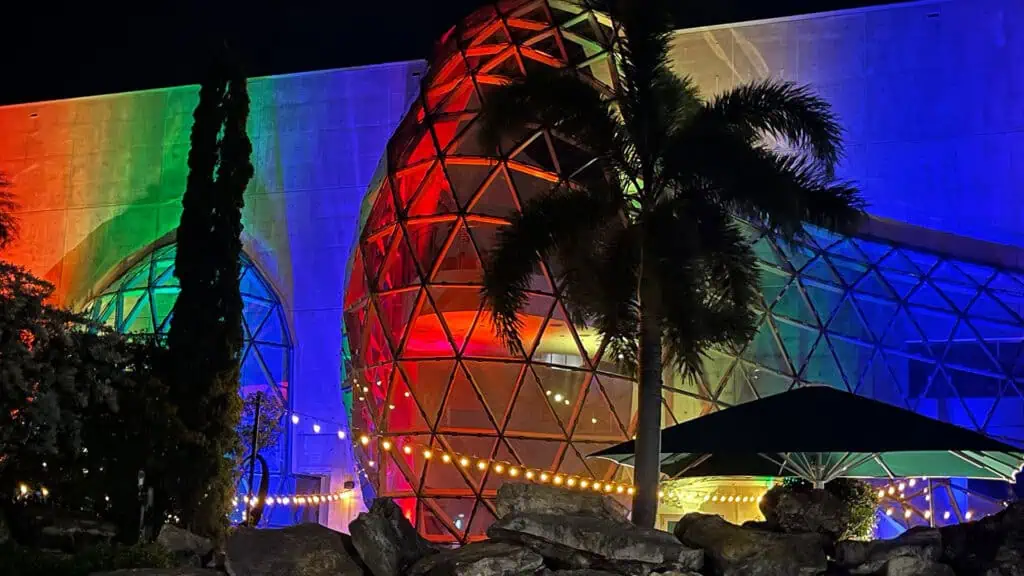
(648,432)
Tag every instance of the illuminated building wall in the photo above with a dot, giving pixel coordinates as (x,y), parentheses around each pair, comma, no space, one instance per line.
(926,315)
(100,180)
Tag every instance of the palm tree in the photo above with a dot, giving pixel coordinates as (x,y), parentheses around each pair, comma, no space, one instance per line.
(644,239)
(8,222)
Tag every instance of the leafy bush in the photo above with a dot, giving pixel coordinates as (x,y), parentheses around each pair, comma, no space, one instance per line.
(24,561)
(859,500)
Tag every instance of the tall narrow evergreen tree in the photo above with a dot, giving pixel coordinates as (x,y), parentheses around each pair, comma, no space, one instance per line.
(205,337)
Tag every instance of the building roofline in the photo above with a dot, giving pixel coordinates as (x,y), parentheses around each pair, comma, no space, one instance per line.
(811,15)
(945,243)
(194,86)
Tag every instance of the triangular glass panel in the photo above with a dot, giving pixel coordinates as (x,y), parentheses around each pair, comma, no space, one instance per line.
(599,467)
(597,421)
(978,273)
(356,288)
(876,313)
(427,239)
(853,359)
(795,253)
(878,383)
(898,262)
(798,340)
(572,464)
(375,248)
(535,152)
(275,362)
(985,306)
(428,381)
(396,310)
(530,185)
(463,410)
(773,283)
(902,334)
(766,383)
(824,298)
(456,511)
(872,283)
(968,351)
(383,212)
(272,330)
(397,478)
(474,449)
(819,269)
(376,348)
(433,200)
(403,412)
(504,457)
(458,307)
(591,341)
(497,383)
(793,305)
(936,326)
(765,252)
(847,322)
(460,264)
(536,454)
(764,350)
(946,271)
(484,341)
(558,343)
(903,284)
(847,249)
(960,295)
(448,477)
(571,158)
(428,336)
(470,142)
(497,199)
(400,268)
(408,180)
(1006,283)
(872,250)
(532,412)
(563,387)
(923,261)
(466,177)
(979,409)
(482,520)
(621,394)
(445,131)
(821,367)
(850,271)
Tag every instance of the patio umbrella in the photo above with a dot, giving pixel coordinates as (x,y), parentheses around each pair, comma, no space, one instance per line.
(819,434)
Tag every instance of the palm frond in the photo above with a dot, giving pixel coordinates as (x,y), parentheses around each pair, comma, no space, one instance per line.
(558,100)
(782,191)
(547,223)
(786,111)
(8,206)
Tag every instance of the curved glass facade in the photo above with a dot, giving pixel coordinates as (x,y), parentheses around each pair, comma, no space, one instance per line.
(141,301)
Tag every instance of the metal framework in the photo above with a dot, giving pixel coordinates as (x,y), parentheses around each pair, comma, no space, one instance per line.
(905,326)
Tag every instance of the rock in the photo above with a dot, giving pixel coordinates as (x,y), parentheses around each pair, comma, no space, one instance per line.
(579,541)
(386,541)
(732,550)
(924,544)
(180,571)
(515,498)
(1009,560)
(72,534)
(797,511)
(914,566)
(479,559)
(986,545)
(185,546)
(302,550)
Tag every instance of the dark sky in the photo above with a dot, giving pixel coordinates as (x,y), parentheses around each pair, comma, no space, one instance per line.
(77,48)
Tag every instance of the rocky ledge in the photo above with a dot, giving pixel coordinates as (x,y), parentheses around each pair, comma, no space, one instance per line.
(547,531)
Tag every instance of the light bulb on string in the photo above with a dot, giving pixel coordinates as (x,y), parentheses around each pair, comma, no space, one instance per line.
(295,418)
(316,428)
(341,434)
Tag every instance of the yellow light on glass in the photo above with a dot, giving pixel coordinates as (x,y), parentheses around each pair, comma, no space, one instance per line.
(427,454)
(481,465)
(513,472)
(558,480)
(907,513)
(968,515)
(529,474)
(543,477)
(945,515)
(364,439)
(570,482)
(386,445)
(630,490)
(446,458)
(463,461)
(584,483)
(619,489)
(499,468)
(407,449)
(888,511)
(927,513)
(608,487)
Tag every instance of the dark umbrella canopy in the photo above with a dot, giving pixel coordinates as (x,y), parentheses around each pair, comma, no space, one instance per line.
(821,433)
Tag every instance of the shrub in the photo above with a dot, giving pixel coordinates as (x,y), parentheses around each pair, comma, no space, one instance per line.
(858,498)
(25,561)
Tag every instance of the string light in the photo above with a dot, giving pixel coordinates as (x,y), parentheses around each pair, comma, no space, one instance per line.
(294,499)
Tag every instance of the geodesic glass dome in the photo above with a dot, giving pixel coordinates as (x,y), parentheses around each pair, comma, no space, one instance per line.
(141,302)
(903,325)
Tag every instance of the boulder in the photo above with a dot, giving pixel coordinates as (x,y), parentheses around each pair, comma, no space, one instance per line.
(1009,560)
(577,541)
(186,547)
(302,550)
(924,544)
(72,534)
(986,545)
(732,550)
(914,566)
(516,498)
(479,559)
(797,511)
(386,541)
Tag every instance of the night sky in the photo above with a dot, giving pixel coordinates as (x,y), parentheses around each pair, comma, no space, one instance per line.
(65,49)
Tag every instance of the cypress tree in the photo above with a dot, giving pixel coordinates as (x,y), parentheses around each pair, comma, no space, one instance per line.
(205,337)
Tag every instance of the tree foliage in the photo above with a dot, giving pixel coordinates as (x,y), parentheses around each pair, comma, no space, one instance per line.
(860,505)
(205,336)
(8,205)
(644,241)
